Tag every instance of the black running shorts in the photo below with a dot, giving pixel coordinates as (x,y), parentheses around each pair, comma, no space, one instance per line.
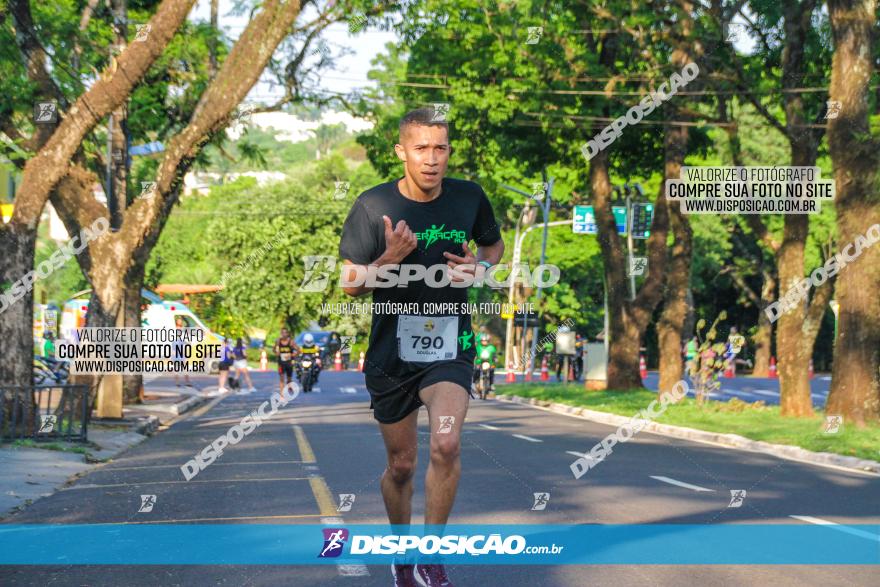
(285,369)
(392,401)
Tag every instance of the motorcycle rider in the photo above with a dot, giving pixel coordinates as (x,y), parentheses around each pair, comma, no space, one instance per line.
(310,348)
(491,351)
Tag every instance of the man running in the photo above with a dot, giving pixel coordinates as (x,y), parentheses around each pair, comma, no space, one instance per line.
(413,360)
(285,349)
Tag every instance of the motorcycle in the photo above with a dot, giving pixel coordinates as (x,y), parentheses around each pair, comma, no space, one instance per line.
(307,371)
(484,375)
(49,371)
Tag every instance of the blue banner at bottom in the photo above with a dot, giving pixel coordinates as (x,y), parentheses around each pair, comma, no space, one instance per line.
(265,544)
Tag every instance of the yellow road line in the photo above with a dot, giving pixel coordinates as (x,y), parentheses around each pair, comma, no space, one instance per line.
(319,487)
(305,449)
(175,521)
(323,496)
(185,482)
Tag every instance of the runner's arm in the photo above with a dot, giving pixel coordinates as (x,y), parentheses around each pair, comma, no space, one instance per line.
(399,242)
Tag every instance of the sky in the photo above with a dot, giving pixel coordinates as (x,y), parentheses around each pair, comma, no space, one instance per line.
(351,71)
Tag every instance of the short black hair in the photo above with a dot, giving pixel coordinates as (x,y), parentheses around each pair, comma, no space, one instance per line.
(421,117)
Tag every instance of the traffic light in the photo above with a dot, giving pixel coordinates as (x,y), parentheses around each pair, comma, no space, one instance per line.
(641,221)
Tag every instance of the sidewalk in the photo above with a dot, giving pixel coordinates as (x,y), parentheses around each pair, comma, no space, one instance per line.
(29,473)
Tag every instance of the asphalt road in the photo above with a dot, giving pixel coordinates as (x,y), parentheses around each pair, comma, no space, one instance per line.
(290,470)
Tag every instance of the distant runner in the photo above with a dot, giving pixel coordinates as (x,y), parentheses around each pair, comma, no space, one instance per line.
(414,360)
(285,349)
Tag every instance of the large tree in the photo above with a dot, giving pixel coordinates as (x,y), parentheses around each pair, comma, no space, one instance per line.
(855,150)
(800,57)
(46,156)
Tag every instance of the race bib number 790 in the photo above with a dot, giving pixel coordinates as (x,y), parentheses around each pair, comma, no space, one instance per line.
(426,339)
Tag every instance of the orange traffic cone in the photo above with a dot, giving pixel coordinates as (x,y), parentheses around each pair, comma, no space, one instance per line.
(812,373)
(264,361)
(337,362)
(643,367)
(511,376)
(772,371)
(545,374)
(361,362)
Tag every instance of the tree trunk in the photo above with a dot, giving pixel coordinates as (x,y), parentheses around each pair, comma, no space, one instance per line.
(855,384)
(763,338)
(132,384)
(670,328)
(17,244)
(793,350)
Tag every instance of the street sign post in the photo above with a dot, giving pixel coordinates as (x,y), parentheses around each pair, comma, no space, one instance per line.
(585,219)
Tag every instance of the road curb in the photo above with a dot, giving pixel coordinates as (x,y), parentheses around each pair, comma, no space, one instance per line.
(188,404)
(783,451)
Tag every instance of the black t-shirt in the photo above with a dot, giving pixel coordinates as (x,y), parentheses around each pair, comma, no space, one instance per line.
(460,213)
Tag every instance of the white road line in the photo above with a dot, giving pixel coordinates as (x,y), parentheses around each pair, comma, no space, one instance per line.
(680,483)
(529,438)
(838,527)
(765,392)
(487,427)
(347,390)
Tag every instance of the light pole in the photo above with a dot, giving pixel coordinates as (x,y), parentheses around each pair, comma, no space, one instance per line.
(526,217)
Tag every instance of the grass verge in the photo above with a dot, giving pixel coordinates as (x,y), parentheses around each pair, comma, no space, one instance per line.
(755,421)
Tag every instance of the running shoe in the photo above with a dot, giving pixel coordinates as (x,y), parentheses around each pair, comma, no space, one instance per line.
(432,576)
(404,575)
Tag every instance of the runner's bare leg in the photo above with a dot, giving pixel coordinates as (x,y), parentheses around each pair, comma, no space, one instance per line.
(401,444)
(441,482)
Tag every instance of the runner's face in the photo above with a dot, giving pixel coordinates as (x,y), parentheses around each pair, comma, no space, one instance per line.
(424,151)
